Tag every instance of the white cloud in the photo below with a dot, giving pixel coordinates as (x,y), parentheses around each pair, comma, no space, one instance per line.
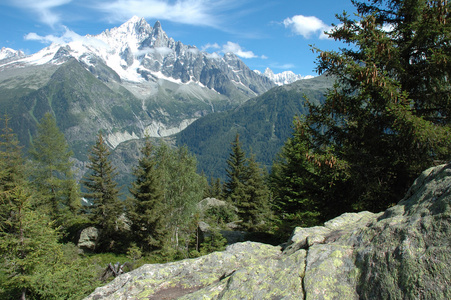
(306,26)
(194,12)
(236,49)
(43,8)
(69,36)
(283,66)
(232,47)
(210,46)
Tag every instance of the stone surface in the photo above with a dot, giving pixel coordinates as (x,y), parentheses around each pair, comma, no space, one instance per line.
(88,238)
(402,253)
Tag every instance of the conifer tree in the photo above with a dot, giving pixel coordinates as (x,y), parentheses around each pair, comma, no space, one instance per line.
(52,175)
(214,189)
(234,187)
(254,209)
(147,211)
(387,118)
(245,187)
(292,178)
(26,239)
(102,191)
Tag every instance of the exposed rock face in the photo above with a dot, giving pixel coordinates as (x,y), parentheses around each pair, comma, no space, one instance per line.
(88,238)
(402,253)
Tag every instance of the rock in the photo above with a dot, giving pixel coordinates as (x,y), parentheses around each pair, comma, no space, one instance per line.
(88,239)
(402,253)
(210,202)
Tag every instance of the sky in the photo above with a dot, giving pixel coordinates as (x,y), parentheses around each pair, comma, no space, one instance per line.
(274,34)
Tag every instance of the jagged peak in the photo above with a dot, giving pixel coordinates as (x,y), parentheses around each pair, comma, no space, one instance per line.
(157,25)
(136,22)
(10,53)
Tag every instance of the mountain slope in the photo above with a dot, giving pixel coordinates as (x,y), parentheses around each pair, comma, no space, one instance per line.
(264,124)
(128,81)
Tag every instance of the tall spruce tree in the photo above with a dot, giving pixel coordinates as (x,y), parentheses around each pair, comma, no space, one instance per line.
(12,170)
(52,176)
(26,236)
(387,117)
(102,192)
(234,186)
(254,209)
(26,239)
(146,210)
(246,188)
(292,179)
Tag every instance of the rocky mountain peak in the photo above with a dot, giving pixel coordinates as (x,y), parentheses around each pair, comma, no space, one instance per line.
(8,53)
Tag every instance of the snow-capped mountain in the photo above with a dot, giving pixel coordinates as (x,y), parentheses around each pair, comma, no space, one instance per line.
(128,82)
(283,78)
(139,53)
(8,53)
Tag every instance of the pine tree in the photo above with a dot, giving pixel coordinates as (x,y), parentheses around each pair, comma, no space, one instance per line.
(102,192)
(245,188)
(52,175)
(254,209)
(26,239)
(147,210)
(387,118)
(214,189)
(293,178)
(234,187)
(12,164)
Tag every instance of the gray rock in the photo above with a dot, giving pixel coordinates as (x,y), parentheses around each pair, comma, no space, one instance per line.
(88,239)
(402,253)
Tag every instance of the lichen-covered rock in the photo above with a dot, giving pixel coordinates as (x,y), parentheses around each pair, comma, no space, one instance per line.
(405,254)
(402,253)
(88,238)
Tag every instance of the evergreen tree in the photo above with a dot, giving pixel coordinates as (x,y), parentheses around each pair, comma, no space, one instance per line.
(26,239)
(102,191)
(12,168)
(146,210)
(254,209)
(387,118)
(245,187)
(52,176)
(293,177)
(214,189)
(234,187)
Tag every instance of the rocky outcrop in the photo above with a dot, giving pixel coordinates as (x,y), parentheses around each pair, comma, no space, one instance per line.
(89,238)
(402,253)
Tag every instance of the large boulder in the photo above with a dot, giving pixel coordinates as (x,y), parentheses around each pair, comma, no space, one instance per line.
(402,253)
(89,238)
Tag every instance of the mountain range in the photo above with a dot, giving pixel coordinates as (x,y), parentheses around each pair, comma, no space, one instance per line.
(128,82)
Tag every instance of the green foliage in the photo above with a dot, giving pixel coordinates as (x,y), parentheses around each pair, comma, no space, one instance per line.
(183,189)
(214,189)
(103,194)
(213,242)
(220,214)
(146,209)
(246,189)
(384,121)
(26,238)
(234,187)
(263,123)
(52,176)
(292,177)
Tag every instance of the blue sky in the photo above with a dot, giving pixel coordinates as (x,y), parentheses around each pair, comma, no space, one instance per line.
(274,34)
